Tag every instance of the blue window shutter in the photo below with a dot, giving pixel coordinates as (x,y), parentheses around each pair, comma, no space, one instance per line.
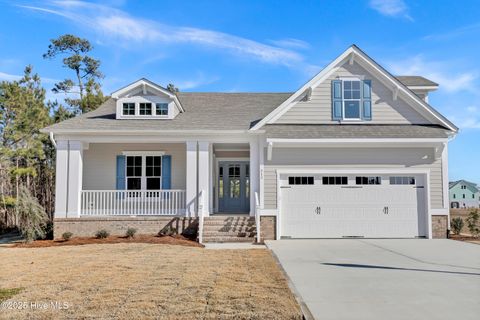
(367,99)
(120,172)
(167,172)
(337,100)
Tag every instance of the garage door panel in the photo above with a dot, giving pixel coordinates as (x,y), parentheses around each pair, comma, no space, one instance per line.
(331,211)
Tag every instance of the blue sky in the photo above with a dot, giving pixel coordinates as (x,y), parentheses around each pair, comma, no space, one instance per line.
(268,45)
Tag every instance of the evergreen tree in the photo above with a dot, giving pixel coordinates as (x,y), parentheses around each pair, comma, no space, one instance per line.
(86,69)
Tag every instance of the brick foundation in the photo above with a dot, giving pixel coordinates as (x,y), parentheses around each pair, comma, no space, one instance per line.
(268,227)
(439,227)
(88,226)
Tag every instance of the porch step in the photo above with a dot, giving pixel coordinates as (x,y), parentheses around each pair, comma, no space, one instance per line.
(229,229)
(228,239)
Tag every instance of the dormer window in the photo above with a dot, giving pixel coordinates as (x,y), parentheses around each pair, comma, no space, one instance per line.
(128,109)
(146,100)
(145,109)
(351,100)
(161,109)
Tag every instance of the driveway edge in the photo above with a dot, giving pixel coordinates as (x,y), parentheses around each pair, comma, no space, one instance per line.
(307,315)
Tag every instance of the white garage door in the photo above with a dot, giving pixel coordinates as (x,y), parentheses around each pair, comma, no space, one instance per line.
(336,206)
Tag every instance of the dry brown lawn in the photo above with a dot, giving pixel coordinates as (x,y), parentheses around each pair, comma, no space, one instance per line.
(145,281)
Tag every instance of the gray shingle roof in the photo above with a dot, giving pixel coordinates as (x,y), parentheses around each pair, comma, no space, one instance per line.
(339,131)
(203,111)
(416,81)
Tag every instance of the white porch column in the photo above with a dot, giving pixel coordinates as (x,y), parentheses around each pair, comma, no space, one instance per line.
(198,176)
(204,175)
(191,183)
(254,173)
(68,181)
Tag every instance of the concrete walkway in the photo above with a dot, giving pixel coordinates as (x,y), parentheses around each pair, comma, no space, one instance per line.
(384,279)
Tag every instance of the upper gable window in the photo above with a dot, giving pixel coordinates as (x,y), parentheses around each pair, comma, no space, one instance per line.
(161,109)
(128,109)
(351,100)
(145,109)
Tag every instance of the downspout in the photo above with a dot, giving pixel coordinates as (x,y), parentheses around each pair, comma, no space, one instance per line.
(52,139)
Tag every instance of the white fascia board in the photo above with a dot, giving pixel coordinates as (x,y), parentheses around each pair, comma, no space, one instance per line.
(353,171)
(427,88)
(356,143)
(349,140)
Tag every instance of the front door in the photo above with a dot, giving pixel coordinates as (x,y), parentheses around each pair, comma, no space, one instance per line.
(234,186)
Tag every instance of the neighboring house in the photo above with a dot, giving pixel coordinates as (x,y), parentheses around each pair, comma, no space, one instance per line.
(355,152)
(464,194)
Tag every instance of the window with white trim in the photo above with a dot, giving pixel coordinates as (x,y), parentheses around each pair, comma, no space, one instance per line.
(128,109)
(351,100)
(145,109)
(161,109)
(143,172)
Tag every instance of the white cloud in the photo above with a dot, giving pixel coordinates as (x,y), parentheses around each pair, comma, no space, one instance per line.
(9,77)
(438,71)
(466,121)
(391,8)
(291,43)
(120,28)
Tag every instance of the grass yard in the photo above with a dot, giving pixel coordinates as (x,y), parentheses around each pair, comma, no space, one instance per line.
(145,281)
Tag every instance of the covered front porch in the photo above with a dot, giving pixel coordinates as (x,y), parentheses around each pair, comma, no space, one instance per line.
(192,178)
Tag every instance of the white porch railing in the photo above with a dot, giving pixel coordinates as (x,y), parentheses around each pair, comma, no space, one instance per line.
(257,217)
(133,202)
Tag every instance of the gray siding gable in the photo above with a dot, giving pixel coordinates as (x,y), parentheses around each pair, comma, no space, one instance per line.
(385,110)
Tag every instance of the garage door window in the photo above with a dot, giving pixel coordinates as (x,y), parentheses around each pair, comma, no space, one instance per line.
(300,180)
(402,180)
(335,180)
(368,180)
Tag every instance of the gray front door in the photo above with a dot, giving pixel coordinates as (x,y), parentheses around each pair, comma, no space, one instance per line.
(234,186)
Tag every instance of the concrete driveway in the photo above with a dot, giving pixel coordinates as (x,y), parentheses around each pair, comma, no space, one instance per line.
(384,279)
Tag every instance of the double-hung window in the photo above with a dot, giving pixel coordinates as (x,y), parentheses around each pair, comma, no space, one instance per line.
(161,109)
(144,172)
(351,99)
(145,109)
(128,109)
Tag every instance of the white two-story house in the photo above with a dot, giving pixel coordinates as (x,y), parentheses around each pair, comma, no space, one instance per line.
(355,152)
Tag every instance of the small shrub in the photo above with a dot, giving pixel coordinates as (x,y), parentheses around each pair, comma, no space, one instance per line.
(168,231)
(472,223)
(102,234)
(67,235)
(131,232)
(457,225)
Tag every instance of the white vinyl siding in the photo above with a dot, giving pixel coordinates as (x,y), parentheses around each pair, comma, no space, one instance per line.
(384,109)
(300,158)
(99,163)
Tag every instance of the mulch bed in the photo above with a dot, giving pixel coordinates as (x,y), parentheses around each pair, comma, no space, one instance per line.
(76,241)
